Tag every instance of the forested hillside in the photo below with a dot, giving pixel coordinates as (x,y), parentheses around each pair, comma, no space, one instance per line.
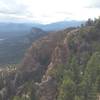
(64,65)
(12,49)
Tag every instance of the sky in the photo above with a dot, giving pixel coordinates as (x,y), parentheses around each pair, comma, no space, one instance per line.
(48,11)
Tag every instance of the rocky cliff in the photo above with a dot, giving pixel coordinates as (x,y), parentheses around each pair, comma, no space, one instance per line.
(60,66)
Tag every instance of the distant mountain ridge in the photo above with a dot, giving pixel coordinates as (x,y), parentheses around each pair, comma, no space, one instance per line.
(62,25)
(52,26)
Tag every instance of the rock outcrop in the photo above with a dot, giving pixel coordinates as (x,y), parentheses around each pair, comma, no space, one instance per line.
(48,86)
(42,57)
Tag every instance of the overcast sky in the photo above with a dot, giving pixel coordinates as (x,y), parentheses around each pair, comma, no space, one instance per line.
(48,11)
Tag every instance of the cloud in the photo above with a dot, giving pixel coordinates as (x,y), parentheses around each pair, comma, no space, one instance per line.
(14,18)
(47,11)
(94,4)
(12,7)
(64,13)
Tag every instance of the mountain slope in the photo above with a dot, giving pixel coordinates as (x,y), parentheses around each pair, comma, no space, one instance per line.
(12,49)
(64,65)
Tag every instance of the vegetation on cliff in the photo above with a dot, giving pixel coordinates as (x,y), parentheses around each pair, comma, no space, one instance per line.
(65,65)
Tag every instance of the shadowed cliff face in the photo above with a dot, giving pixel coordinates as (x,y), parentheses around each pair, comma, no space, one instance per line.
(42,53)
(49,83)
(42,56)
